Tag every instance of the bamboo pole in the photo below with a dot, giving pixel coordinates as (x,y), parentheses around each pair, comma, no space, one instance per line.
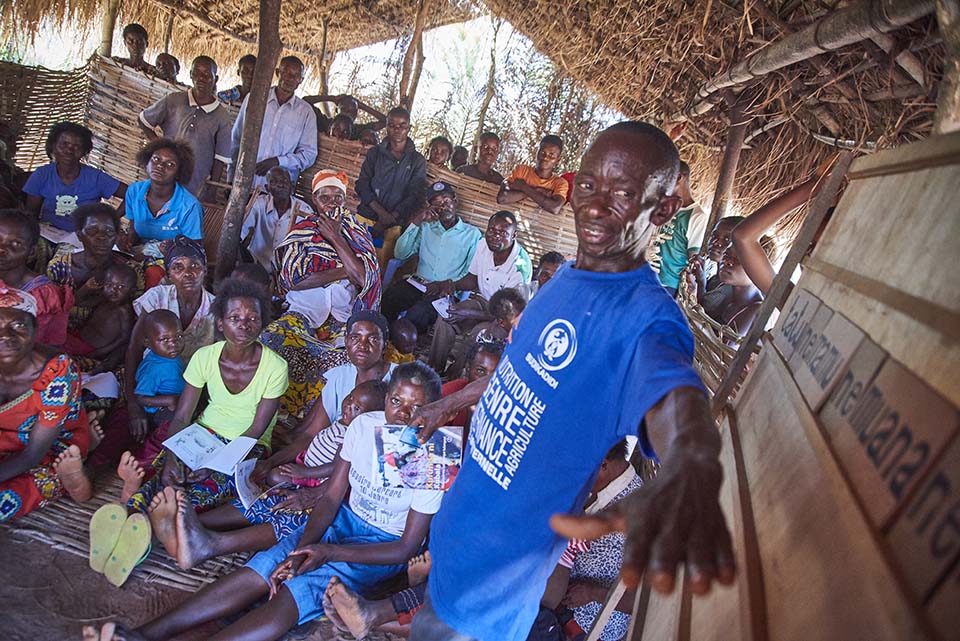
(110,9)
(415,78)
(948,98)
(416,42)
(840,28)
(268,52)
(781,283)
(731,158)
(488,92)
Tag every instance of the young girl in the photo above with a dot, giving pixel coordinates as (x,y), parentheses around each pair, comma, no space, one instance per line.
(244,380)
(362,541)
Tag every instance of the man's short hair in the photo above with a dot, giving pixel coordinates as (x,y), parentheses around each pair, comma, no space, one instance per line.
(207,59)
(685,169)
(26,221)
(505,215)
(399,112)
(552,258)
(669,166)
(617,452)
(133,27)
(487,135)
(292,60)
(252,59)
(441,140)
(505,302)
(550,139)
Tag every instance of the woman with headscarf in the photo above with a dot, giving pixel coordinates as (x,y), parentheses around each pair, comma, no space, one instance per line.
(42,422)
(327,269)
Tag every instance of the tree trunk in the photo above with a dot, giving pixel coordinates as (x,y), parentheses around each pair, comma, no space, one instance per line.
(489,93)
(415,79)
(948,98)
(407,85)
(110,8)
(268,52)
(168,32)
(731,158)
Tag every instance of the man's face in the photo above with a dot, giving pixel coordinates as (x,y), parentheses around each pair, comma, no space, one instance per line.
(500,234)
(548,156)
(731,270)
(446,207)
(439,154)
(489,151)
(615,196)
(278,183)
(348,107)
(203,78)
(364,344)
(340,129)
(289,76)
(545,273)
(246,70)
(397,128)
(167,67)
(459,158)
(136,44)
(720,239)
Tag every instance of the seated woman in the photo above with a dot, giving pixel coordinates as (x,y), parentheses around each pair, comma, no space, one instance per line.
(81,274)
(56,189)
(244,380)
(161,208)
(43,427)
(363,540)
(327,269)
(19,233)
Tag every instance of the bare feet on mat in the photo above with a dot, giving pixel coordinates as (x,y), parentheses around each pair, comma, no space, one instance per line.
(418,568)
(163,518)
(194,542)
(132,474)
(69,467)
(354,611)
(96,432)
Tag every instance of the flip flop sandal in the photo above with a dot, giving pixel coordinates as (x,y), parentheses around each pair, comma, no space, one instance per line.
(131,550)
(105,526)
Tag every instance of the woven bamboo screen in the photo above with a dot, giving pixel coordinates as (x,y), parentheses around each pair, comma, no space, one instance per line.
(539,231)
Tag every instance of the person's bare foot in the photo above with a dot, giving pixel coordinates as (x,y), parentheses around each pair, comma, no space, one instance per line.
(418,568)
(132,474)
(330,611)
(96,432)
(163,519)
(194,542)
(110,632)
(354,611)
(69,467)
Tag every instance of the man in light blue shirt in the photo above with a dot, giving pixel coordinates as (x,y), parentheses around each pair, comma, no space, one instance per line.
(445,244)
(288,137)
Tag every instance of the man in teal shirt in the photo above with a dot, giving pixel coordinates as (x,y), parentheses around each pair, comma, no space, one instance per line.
(445,244)
(677,240)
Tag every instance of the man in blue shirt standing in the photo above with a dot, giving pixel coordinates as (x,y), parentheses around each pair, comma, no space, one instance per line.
(601,352)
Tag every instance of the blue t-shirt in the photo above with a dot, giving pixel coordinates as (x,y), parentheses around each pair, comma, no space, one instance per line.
(159,376)
(59,200)
(182,214)
(592,354)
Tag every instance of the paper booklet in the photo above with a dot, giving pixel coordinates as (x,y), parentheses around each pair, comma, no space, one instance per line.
(416,282)
(199,449)
(247,490)
(442,305)
(403,462)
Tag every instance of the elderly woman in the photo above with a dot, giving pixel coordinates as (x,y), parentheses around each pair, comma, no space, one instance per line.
(43,427)
(56,189)
(327,269)
(161,208)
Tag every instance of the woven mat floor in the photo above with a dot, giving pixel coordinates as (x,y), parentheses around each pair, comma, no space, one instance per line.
(63,525)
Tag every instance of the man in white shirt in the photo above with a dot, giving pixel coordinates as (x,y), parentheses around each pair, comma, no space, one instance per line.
(498,262)
(271,216)
(288,137)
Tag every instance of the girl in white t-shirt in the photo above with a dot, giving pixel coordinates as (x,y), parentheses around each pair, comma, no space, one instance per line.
(363,541)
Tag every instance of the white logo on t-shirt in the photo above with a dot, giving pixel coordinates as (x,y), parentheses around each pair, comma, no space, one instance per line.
(558,345)
(65,205)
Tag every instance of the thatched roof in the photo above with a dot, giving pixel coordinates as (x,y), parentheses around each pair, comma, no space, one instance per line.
(227,29)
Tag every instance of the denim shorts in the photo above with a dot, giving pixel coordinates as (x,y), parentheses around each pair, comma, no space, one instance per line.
(307,589)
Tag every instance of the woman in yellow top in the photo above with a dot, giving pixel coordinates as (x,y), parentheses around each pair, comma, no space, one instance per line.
(244,380)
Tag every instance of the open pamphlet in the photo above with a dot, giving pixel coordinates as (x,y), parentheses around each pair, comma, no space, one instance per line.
(198,449)
(442,305)
(403,462)
(247,491)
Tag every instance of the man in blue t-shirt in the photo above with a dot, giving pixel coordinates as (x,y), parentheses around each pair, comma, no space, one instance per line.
(602,352)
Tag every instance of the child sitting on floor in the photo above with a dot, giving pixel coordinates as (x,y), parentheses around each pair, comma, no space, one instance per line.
(315,463)
(104,335)
(160,374)
(504,308)
(402,343)
(482,359)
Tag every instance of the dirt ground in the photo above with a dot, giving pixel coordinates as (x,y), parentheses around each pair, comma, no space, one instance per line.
(50,594)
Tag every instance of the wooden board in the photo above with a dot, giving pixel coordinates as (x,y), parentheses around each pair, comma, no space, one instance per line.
(848,394)
(824,574)
(798,311)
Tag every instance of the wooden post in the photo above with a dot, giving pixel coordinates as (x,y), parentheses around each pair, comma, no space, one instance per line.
(781,283)
(948,98)
(110,8)
(268,52)
(168,32)
(731,158)
(415,78)
(407,86)
(324,85)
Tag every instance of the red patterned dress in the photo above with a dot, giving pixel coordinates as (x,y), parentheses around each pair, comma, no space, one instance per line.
(51,403)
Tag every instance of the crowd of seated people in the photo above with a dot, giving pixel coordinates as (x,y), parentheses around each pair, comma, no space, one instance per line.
(307,348)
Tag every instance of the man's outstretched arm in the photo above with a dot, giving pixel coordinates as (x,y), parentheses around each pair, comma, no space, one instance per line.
(676,518)
(436,414)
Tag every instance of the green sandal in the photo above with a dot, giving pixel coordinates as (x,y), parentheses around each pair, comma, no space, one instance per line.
(105,526)
(133,546)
